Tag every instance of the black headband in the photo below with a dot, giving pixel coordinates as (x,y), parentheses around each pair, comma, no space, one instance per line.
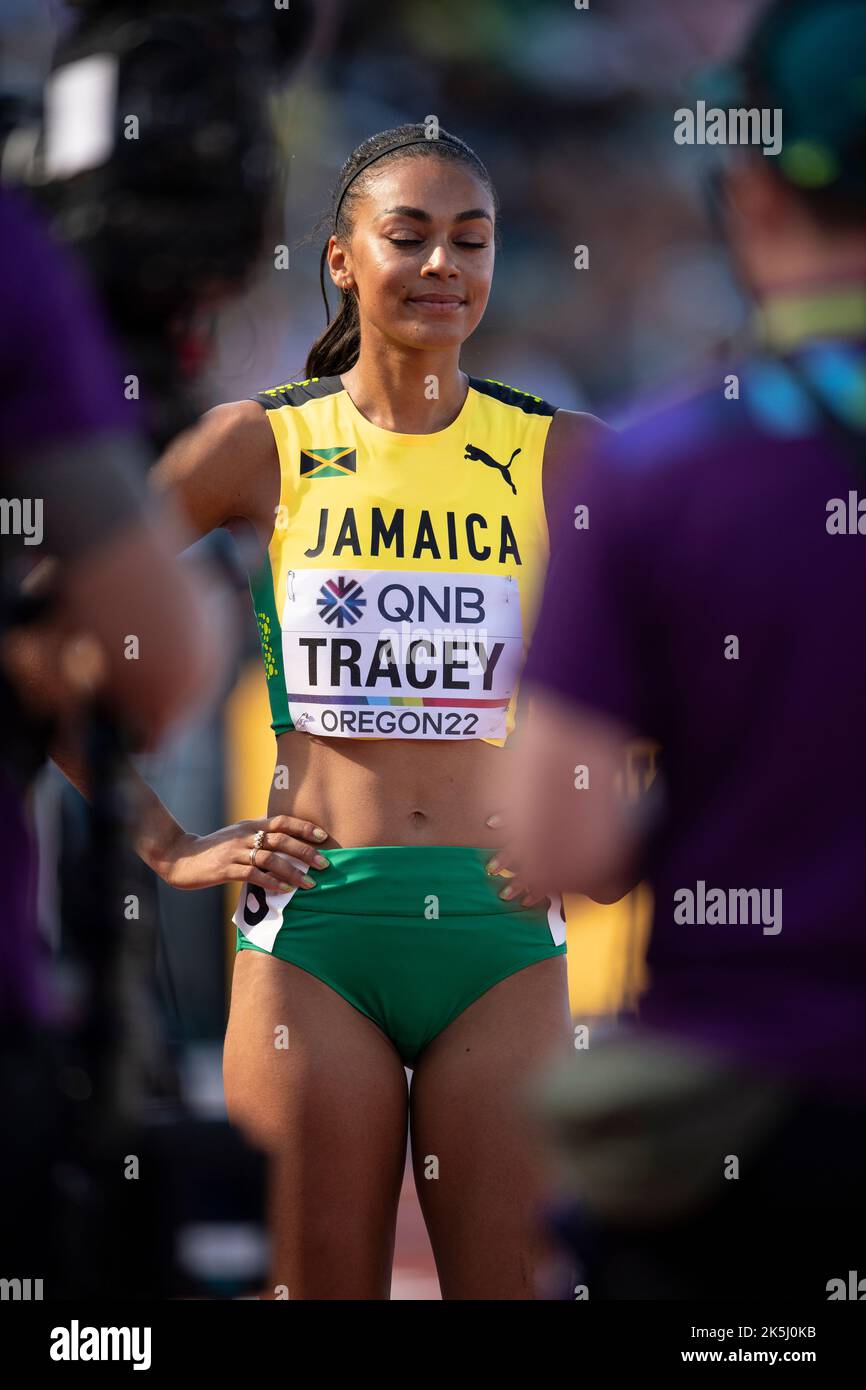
(389,149)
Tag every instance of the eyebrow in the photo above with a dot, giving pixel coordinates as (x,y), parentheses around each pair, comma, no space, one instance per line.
(421,216)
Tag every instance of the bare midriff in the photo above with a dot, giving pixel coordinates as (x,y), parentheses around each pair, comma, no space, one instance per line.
(383,792)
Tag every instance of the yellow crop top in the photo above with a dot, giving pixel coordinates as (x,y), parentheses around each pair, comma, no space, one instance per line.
(404,573)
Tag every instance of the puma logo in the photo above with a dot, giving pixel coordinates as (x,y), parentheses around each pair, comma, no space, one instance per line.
(473,452)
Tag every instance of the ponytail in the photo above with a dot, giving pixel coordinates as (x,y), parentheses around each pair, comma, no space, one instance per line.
(337,349)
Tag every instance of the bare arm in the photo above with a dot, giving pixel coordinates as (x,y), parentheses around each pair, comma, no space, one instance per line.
(225,469)
(578,823)
(573,818)
(221,473)
(217,471)
(572,436)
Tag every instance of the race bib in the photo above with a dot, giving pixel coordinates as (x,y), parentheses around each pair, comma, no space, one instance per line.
(259,913)
(384,653)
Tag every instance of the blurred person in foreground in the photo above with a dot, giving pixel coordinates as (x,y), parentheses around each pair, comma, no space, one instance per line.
(77,530)
(85,566)
(711,598)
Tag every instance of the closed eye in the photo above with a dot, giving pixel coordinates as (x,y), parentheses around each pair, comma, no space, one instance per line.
(412,241)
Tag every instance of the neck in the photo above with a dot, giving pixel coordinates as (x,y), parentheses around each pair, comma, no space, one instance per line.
(405,390)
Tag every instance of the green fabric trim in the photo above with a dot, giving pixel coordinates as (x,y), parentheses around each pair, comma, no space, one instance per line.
(271,638)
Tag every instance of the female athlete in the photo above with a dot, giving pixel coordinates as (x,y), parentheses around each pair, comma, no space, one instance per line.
(400,510)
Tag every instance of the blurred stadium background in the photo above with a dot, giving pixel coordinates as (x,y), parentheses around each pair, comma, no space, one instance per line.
(572,111)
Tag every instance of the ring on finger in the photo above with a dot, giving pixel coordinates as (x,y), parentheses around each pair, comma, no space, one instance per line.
(258,842)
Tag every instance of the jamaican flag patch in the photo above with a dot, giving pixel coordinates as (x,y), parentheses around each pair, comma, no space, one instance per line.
(328,463)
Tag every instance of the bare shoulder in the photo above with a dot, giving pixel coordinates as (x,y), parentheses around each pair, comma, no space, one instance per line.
(239,419)
(572,437)
(224,468)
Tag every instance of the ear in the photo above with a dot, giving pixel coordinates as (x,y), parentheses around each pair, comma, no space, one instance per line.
(338,265)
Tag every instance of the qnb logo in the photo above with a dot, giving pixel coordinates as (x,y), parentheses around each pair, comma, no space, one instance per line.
(21,1290)
(76,1343)
(342,601)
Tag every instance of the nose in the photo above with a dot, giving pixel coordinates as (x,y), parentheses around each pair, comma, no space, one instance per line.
(440,263)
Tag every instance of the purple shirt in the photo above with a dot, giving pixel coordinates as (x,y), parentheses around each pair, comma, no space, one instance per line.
(59,377)
(59,381)
(709,520)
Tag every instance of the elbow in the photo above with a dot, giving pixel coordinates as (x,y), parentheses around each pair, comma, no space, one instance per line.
(595,866)
(179,667)
(606,894)
(187,675)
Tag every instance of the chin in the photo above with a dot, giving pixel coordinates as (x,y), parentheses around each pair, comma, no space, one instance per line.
(438,335)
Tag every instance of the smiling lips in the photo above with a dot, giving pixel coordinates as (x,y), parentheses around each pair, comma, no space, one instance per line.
(438,303)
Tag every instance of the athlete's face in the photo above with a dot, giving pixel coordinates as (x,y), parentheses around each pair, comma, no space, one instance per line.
(420,257)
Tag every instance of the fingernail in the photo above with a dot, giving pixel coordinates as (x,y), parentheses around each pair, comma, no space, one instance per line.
(320,834)
(507,893)
(494,822)
(321,862)
(308,882)
(493,866)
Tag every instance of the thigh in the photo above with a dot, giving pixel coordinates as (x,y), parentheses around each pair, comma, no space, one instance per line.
(480,1196)
(319,1087)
